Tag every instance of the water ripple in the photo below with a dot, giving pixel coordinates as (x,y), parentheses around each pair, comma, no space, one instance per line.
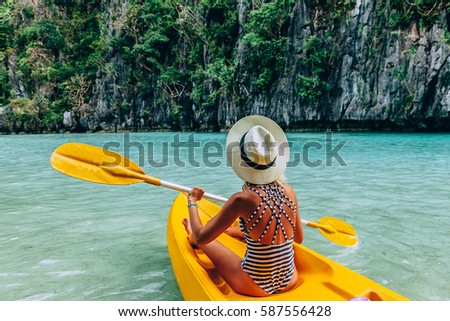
(65,239)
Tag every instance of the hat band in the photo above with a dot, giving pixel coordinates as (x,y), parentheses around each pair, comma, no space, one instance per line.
(251,163)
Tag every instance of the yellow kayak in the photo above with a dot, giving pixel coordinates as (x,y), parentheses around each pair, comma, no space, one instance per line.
(320,279)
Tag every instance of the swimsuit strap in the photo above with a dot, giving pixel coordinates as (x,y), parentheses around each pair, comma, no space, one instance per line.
(275,199)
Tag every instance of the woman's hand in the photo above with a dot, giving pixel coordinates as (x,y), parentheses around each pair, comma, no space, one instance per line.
(195,194)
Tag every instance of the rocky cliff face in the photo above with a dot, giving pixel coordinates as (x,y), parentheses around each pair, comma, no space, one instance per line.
(382,78)
(346,65)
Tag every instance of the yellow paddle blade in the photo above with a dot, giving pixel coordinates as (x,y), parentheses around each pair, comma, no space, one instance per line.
(337,231)
(95,164)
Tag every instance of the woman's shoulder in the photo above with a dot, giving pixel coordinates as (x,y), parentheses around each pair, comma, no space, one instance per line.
(289,191)
(241,197)
(244,200)
(287,187)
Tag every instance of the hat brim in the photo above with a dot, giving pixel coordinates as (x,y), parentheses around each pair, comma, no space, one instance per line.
(241,168)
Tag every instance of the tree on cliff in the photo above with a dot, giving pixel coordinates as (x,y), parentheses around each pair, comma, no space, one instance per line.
(166,64)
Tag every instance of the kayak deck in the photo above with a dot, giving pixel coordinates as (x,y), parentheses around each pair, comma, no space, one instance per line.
(320,279)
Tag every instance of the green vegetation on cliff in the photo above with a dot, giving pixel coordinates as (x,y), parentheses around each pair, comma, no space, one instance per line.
(184,55)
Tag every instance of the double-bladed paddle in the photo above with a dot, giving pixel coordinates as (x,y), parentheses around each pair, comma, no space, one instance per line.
(98,165)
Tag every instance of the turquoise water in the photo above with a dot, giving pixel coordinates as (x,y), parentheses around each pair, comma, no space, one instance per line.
(66,239)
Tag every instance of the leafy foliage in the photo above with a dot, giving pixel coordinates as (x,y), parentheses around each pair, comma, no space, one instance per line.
(316,56)
(267,41)
(51,53)
(424,12)
(184,54)
(43,34)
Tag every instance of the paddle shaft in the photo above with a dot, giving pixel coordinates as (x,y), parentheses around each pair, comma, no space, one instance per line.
(119,171)
(327,230)
(94,164)
(122,171)
(213,197)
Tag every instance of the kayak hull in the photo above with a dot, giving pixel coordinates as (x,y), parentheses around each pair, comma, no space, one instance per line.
(320,279)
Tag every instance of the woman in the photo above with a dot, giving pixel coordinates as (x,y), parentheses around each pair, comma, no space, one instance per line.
(267,209)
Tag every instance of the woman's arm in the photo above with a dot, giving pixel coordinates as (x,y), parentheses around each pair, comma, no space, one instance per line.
(219,223)
(298,237)
(235,231)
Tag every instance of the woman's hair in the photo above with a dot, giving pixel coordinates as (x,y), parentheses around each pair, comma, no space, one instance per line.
(280,181)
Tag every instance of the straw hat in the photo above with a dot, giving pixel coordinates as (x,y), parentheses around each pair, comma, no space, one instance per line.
(257,149)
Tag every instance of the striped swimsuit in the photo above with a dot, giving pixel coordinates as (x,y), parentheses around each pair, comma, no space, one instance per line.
(271,266)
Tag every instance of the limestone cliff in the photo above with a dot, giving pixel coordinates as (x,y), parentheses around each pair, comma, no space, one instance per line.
(381,78)
(341,65)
